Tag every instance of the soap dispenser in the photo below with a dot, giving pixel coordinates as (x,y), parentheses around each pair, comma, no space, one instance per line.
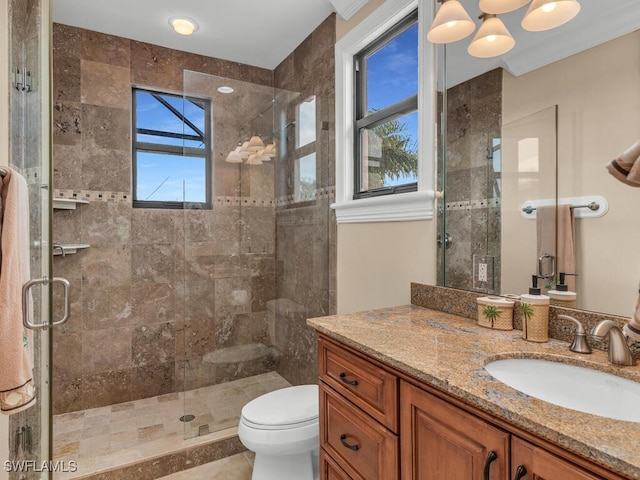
(561,294)
(535,313)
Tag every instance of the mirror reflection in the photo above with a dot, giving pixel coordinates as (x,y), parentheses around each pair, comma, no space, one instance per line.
(527,137)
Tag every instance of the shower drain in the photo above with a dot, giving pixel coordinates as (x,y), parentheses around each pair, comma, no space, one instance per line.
(187,418)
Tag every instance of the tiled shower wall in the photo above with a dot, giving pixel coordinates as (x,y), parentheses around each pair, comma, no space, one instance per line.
(155,291)
(471,206)
(306,231)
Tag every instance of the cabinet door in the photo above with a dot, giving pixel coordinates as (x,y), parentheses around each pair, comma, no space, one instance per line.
(541,465)
(441,441)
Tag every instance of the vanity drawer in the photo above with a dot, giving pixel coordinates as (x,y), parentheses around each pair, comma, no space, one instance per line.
(368,386)
(330,470)
(363,447)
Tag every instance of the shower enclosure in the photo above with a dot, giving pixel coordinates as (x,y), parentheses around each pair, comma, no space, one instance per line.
(29,431)
(184,314)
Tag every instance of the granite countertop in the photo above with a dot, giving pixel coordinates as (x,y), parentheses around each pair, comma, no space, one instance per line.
(449,352)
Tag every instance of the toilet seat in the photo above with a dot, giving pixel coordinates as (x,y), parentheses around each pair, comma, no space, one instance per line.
(287,408)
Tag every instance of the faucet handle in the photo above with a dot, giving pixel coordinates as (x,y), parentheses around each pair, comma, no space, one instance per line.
(579,344)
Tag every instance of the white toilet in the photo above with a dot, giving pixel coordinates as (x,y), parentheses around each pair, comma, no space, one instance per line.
(281,427)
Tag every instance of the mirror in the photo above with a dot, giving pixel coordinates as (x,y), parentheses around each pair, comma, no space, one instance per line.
(538,124)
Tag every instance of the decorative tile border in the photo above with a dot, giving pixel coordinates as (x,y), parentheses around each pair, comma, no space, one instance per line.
(473,204)
(235,201)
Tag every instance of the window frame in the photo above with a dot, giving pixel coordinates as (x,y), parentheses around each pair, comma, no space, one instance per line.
(391,112)
(408,206)
(172,150)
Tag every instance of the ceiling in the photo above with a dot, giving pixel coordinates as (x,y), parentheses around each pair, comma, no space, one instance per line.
(264,32)
(254,32)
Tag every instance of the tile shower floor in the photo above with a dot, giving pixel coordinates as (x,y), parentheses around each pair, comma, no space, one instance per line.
(103,438)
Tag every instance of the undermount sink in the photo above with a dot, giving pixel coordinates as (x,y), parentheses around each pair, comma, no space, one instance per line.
(570,386)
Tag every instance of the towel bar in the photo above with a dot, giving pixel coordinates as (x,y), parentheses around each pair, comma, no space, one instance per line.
(3,172)
(594,206)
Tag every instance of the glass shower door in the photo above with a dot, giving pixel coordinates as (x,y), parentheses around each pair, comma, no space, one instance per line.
(29,430)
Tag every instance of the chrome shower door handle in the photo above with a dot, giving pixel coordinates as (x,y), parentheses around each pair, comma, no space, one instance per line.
(67,300)
(26,320)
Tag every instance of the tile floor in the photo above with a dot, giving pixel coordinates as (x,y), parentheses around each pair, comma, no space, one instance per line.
(236,467)
(102,438)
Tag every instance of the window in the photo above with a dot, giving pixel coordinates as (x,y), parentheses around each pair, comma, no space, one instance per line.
(304,167)
(350,205)
(386,112)
(171,150)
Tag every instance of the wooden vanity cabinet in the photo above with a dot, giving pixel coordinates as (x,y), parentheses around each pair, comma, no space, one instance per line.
(406,430)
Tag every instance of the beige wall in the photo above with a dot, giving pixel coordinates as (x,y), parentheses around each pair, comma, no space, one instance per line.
(378,261)
(598,117)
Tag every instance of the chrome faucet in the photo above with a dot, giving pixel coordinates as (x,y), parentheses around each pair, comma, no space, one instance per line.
(579,344)
(619,352)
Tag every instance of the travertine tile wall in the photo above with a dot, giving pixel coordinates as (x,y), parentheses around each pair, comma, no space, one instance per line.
(158,289)
(472,201)
(306,232)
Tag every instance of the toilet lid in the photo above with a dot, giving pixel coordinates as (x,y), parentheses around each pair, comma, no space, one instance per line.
(287,407)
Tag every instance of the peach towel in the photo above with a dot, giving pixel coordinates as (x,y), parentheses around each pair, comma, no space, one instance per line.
(17,389)
(560,245)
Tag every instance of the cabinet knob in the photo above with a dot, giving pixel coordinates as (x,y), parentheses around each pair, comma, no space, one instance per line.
(355,448)
(487,463)
(520,472)
(343,377)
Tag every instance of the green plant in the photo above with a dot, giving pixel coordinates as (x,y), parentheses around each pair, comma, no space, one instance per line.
(491,313)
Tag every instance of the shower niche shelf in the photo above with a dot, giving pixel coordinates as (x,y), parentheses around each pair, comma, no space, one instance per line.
(67,203)
(68,248)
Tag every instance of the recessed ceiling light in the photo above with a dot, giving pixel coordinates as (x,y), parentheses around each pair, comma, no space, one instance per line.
(183,25)
(225,89)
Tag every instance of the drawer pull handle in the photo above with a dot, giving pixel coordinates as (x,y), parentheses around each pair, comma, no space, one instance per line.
(520,472)
(343,377)
(487,464)
(355,448)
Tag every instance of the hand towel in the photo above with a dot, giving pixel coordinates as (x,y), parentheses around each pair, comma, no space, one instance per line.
(17,388)
(626,167)
(561,244)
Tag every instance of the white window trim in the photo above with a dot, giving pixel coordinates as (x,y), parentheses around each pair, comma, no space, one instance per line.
(401,206)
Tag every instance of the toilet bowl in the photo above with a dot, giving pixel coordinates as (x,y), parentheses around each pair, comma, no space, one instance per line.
(281,427)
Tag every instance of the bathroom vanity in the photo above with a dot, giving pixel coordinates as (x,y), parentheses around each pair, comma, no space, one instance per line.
(404,395)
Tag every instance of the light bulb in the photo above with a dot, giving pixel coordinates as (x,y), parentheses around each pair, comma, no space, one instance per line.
(549,7)
(183,25)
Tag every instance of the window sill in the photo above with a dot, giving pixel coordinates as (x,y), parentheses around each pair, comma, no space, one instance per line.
(389,208)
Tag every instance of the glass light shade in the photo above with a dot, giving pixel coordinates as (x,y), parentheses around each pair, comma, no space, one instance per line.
(452,23)
(270,150)
(183,25)
(255,144)
(501,6)
(548,14)
(254,159)
(244,150)
(492,39)
(234,156)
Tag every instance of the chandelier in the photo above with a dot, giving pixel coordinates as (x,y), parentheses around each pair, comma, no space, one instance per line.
(453,23)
